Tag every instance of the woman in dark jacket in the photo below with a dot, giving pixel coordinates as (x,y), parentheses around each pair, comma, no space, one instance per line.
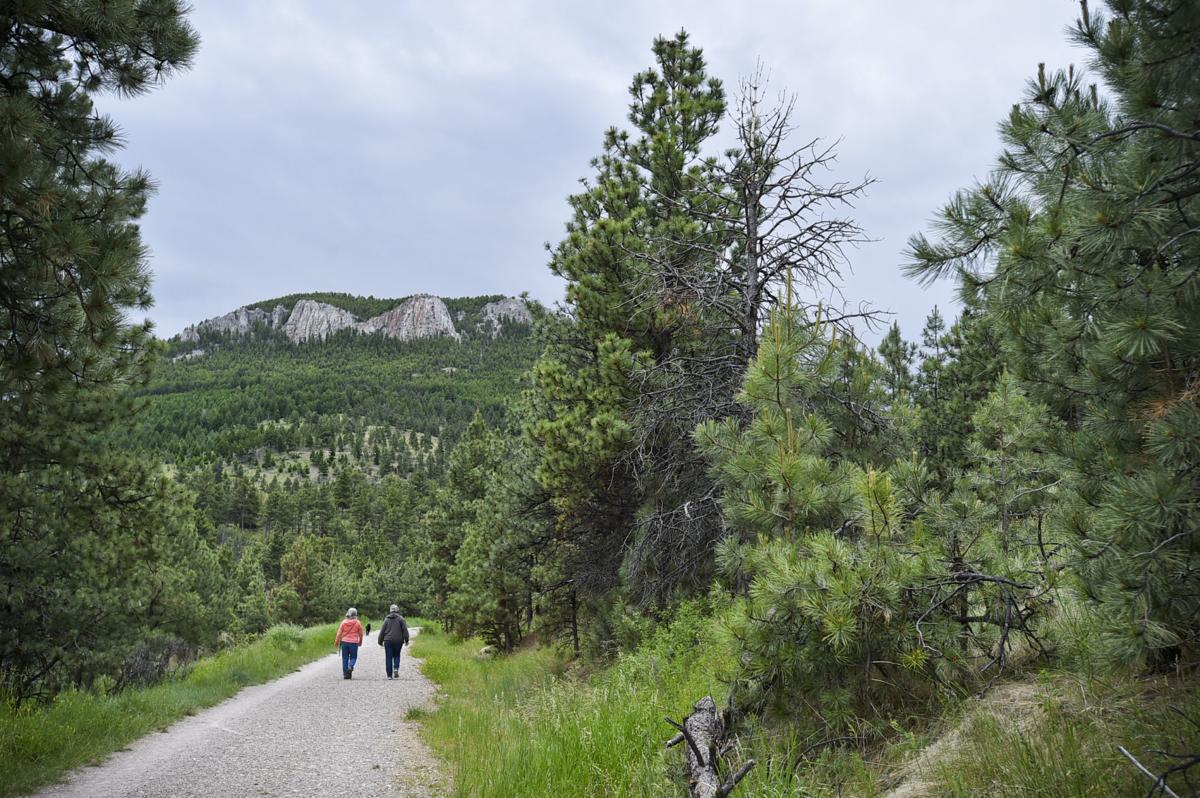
(393,636)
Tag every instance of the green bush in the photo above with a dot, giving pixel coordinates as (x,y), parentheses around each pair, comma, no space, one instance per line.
(285,636)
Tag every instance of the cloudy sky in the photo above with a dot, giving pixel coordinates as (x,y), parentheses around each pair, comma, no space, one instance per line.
(390,148)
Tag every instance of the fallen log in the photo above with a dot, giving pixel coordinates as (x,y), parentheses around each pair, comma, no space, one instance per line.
(704,732)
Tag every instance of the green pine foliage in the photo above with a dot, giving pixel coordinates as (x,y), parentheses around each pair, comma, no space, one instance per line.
(619,326)
(92,541)
(492,580)
(897,356)
(855,588)
(1081,246)
(959,368)
(303,549)
(460,501)
(819,559)
(1011,465)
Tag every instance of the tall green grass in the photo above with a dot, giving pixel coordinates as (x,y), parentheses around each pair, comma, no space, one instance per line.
(526,725)
(523,726)
(1068,749)
(38,744)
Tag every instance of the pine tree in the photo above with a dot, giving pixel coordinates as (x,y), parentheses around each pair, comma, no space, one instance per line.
(847,577)
(973,365)
(81,525)
(897,356)
(929,394)
(492,579)
(856,404)
(821,557)
(959,368)
(1082,246)
(471,469)
(621,322)
(1011,468)
(933,357)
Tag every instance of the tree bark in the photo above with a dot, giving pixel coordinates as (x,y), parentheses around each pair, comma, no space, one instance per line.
(704,733)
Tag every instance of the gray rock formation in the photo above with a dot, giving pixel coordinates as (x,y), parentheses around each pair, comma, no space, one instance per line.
(195,353)
(507,309)
(235,322)
(311,319)
(421,316)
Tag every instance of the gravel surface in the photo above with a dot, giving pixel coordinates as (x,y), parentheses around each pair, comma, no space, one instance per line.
(310,733)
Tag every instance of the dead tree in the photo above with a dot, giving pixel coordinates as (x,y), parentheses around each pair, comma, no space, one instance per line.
(704,732)
(788,223)
(749,225)
(763,218)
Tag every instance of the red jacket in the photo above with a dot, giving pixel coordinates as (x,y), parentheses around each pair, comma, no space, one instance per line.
(350,631)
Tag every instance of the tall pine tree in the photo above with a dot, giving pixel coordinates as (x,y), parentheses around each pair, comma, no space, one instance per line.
(83,528)
(1083,245)
(608,453)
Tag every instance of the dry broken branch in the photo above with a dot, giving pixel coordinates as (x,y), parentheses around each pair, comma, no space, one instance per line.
(704,731)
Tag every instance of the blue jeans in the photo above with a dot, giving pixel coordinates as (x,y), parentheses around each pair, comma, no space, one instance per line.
(391,657)
(349,656)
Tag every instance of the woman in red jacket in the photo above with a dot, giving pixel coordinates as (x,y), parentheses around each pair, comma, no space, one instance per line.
(349,637)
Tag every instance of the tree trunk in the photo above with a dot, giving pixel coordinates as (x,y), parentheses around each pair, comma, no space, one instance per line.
(704,733)
(575,622)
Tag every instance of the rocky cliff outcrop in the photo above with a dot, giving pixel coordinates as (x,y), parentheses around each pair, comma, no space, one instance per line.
(236,322)
(311,319)
(507,309)
(421,316)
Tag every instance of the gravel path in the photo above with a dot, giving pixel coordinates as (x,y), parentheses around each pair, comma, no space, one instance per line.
(310,733)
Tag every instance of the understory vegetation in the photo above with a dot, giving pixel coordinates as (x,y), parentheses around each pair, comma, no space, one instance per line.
(1069,742)
(535,723)
(577,735)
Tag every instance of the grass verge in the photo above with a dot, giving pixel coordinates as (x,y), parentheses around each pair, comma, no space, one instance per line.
(1069,747)
(525,725)
(38,744)
(528,725)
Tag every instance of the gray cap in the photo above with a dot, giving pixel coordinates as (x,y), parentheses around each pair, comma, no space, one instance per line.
(393,608)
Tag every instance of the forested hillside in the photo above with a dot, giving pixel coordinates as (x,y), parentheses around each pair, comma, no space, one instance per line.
(227,396)
(309,468)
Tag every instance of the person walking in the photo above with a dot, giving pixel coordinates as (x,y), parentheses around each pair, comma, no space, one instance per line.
(393,636)
(349,637)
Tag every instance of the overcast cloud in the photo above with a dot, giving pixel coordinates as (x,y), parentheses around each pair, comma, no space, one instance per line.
(390,148)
